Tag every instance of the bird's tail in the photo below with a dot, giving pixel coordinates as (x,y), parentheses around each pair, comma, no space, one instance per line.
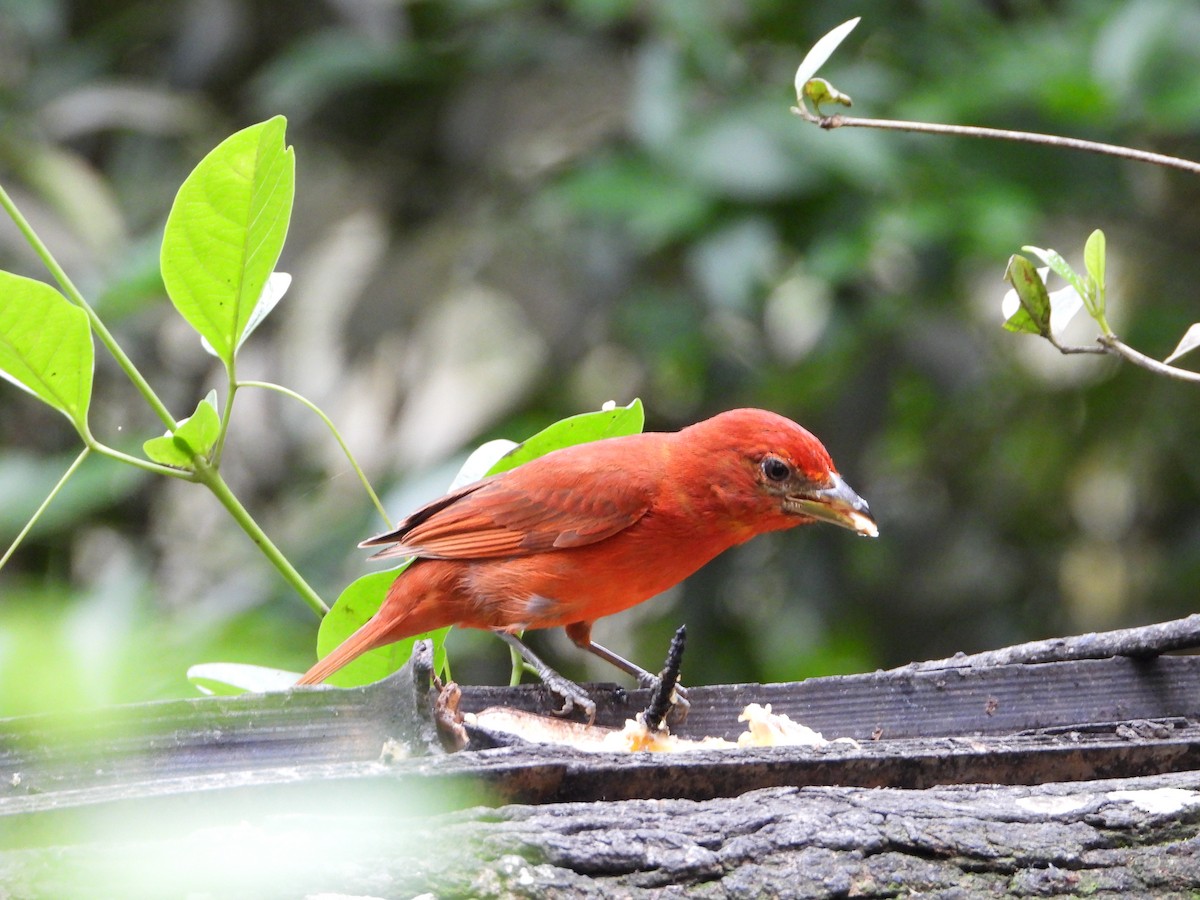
(368,636)
(414,605)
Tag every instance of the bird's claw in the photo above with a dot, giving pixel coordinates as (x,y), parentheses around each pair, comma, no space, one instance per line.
(572,695)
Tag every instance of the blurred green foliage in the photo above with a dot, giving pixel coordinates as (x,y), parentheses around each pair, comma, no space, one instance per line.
(508,212)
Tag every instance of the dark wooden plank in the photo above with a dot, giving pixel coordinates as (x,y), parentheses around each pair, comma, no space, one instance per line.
(289,748)
(181,738)
(916,703)
(533,774)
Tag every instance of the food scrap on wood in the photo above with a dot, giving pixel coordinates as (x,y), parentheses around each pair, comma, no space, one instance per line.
(764,728)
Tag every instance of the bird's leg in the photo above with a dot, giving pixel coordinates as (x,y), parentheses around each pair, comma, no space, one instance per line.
(572,694)
(644,679)
(580,634)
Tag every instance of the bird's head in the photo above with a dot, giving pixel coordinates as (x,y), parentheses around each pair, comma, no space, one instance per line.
(770,470)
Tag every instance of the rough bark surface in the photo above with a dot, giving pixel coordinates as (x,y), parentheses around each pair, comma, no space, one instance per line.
(1128,838)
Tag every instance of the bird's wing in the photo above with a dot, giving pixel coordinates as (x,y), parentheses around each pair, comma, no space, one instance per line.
(530,509)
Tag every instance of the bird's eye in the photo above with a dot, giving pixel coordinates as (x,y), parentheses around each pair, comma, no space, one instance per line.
(776,469)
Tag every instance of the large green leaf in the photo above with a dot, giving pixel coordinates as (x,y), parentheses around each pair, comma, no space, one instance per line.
(226,230)
(46,346)
(580,429)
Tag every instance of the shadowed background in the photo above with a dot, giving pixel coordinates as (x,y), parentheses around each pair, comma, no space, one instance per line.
(511,212)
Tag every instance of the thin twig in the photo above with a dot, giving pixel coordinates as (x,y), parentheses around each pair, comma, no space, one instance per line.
(1002,134)
(45,503)
(1069,351)
(337,436)
(1142,642)
(1119,347)
(1112,345)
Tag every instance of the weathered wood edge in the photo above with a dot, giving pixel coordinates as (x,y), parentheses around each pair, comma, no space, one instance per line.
(903,703)
(530,774)
(180,738)
(304,747)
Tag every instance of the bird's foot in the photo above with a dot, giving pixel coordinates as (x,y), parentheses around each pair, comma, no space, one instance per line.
(572,694)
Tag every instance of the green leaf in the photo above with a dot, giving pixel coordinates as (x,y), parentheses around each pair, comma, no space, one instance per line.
(1093,255)
(226,230)
(46,346)
(273,291)
(819,91)
(195,436)
(357,603)
(228,679)
(820,52)
(1094,262)
(580,429)
(1034,315)
(1061,268)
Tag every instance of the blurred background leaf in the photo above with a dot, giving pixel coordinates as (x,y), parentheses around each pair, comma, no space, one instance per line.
(507,213)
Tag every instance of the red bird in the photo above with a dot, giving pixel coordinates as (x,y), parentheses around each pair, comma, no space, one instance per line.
(593,529)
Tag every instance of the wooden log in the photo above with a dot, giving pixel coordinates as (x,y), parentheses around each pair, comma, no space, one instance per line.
(1121,838)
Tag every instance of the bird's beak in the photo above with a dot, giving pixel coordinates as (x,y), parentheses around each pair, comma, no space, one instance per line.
(837,504)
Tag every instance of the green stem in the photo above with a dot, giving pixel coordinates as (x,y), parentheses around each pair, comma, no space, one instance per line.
(227,413)
(150,466)
(211,478)
(362,477)
(76,297)
(518,667)
(45,503)
(205,473)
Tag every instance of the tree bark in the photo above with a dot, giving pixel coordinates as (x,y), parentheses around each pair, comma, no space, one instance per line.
(1126,838)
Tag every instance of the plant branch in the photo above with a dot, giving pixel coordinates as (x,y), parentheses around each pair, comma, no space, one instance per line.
(1115,345)
(362,477)
(42,508)
(1111,345)
(101,330)
(1070,351)
(150,466)
(1001,134)
(211,478)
